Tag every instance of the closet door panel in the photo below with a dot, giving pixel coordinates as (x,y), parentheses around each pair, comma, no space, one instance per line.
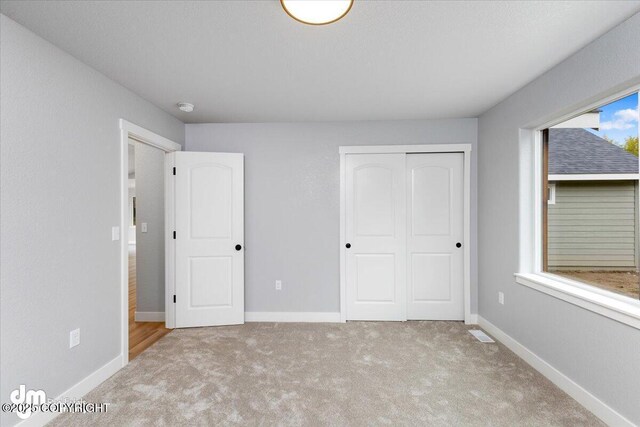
(435,214)
(376,236)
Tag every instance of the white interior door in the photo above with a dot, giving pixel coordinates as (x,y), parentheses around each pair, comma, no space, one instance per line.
(375,236)
(209,239)
(435,258)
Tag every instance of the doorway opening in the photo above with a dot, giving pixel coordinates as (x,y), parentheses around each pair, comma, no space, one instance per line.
(143,238)
(146,247)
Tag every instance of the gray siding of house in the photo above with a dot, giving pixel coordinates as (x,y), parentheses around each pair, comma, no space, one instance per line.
(592,226)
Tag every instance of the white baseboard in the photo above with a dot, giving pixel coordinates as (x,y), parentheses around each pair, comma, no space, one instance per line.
(600,409)
(149,316)
(79,390)
(291,316)
(471,320)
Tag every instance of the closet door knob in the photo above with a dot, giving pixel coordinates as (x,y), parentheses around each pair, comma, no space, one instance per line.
(458,245)
(238,247)
(348,245)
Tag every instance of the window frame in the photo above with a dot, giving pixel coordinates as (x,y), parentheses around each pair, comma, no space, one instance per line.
(552,193)
(532,272)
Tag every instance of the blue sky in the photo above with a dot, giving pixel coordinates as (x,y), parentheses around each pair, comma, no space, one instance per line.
(619,119)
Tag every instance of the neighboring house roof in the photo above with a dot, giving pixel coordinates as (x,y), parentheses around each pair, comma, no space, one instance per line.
(578,151)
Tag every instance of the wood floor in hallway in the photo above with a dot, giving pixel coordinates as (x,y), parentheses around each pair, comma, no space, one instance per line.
(141,334)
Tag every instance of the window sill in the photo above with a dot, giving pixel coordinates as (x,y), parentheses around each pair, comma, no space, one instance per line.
(612,306)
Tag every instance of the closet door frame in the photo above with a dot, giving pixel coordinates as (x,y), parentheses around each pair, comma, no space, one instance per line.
(465,149)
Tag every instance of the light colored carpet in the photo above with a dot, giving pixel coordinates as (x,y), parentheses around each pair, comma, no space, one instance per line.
(353,374)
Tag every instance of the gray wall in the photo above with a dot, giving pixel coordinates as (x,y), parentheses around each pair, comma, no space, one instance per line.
(60,196)
(292,199)
(592,226)
(598,353)
(149,245)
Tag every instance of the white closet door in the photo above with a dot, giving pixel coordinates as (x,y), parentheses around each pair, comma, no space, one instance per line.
(434,230)
(376,233)
(209,252)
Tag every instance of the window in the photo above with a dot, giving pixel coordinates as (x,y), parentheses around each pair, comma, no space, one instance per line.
(590,202)
(551,197)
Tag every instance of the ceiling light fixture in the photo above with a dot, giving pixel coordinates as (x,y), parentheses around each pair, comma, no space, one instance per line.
(185,106)
(316,12)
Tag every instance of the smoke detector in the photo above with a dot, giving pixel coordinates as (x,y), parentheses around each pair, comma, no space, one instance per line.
(185,106)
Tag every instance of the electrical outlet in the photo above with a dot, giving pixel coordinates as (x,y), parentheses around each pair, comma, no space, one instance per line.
(74,338)
(501,297)
(278,285)
(115,233)
(144,227)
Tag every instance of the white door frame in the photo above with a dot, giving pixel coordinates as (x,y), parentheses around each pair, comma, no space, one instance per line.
(407,149)
(137,133)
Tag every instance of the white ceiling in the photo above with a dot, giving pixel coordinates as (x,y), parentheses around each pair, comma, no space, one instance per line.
(247,61)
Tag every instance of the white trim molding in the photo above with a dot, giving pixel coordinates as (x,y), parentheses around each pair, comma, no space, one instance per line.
(600,409)
(149,316)
(471,320)
(616,307)
(139,134)
(76,391)
(407,149)
(291,316)
(595,177)
(419,148)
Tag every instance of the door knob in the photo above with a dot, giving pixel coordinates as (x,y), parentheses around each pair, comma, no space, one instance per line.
(238,247)
(348,245)
(458,245)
